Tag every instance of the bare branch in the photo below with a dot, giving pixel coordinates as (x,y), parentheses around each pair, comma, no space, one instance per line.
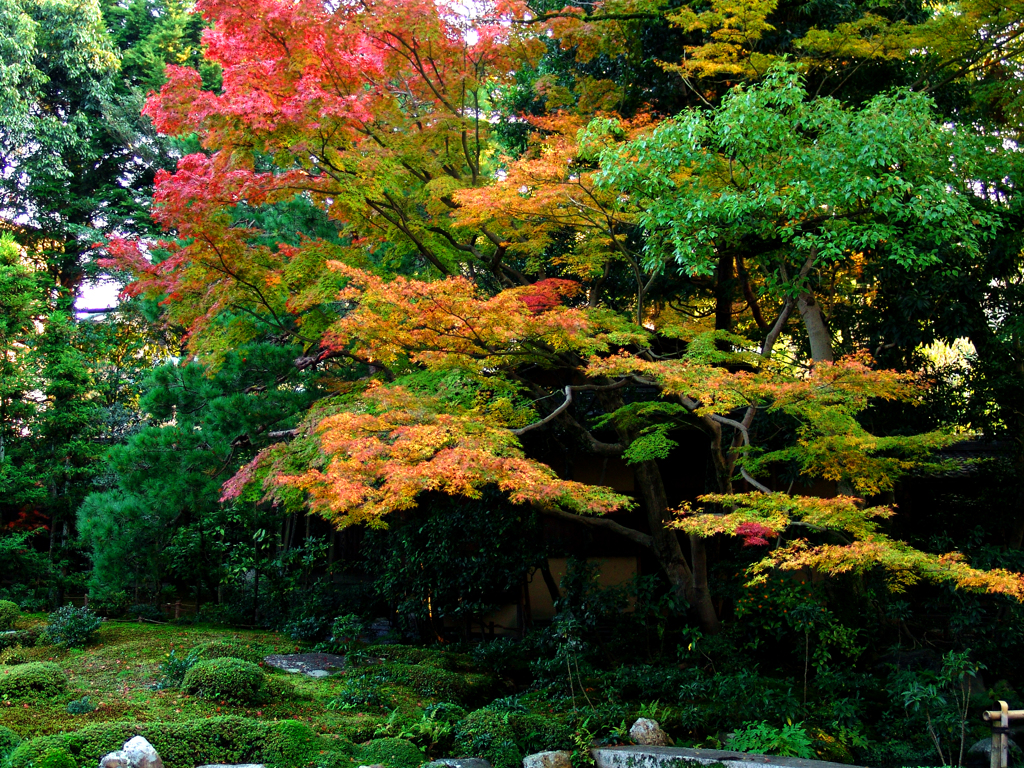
(643,539)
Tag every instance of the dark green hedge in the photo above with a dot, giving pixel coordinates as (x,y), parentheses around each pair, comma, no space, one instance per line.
(282,744)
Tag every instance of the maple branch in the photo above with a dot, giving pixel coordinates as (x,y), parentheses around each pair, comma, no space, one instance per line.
(773,334)
(402,224)
(550,417)
(748,293)
(568,401)
(643,539)
(741,427)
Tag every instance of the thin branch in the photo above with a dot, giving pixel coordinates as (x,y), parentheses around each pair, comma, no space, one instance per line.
(643,539)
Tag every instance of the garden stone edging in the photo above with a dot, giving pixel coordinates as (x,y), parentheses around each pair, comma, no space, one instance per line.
(673,757)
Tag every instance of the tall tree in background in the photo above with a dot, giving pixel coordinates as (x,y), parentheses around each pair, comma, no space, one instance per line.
(574,281)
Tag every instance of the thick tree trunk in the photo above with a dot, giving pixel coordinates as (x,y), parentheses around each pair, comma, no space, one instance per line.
(690,582)
(817,331)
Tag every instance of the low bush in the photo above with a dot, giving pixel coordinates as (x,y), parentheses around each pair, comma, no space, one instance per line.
(408,654)
(9,613)
(80,706)
(436,682)
(39,679)
(230,649)
(71,627)
(791,740)
(8,741)
(174,666)
(226,678)
(56,758)
(293,743)
(228,740)
(392,753)
(26,638)
(505,737)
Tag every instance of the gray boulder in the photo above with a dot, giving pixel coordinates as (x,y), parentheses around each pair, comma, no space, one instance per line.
(553,759)
(458,762)
(648,733)
(984,746)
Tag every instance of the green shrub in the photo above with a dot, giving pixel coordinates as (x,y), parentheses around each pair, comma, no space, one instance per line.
(435,682)
(503,737)
(26,638)
(9,613)
(71,627)
(8,741)
(230,649)
(39,679)
(229,740)
(173,667)
(289,743)
(56,758)
(80,706)
(392,753)
(361,692)
(791,740)
(492,736)
(226,678)
(408,654)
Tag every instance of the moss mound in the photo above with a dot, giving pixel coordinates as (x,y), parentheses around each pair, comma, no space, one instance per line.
(407,654)
(8,741)
(9,613)
(392,753)
(436,683)
(38,679)
(231,649)
(284,744)
(228,679)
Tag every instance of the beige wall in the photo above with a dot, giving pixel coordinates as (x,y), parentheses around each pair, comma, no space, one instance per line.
(612,572)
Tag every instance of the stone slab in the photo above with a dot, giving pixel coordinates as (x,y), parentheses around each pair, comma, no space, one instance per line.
(459,762)
(677,757)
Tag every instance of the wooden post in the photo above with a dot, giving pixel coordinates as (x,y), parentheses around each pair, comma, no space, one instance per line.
(999,754)
(1004,734)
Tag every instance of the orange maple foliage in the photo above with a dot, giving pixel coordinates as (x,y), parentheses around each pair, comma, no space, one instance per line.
(393,444)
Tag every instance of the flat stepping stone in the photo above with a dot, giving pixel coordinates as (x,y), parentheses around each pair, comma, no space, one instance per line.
(310,664)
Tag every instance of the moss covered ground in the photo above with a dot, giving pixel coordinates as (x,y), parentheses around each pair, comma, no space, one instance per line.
(399,708)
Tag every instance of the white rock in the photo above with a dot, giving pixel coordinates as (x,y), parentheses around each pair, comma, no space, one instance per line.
(648,733)
(115,760)
(554,759)
(318,673)
(141,754)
